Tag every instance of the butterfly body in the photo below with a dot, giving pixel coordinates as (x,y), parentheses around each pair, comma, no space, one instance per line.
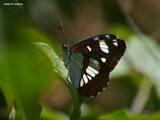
(91,60)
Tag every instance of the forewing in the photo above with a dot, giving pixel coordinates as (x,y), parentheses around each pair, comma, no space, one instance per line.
(100,56)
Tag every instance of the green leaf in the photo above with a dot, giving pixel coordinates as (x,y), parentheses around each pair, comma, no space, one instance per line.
(125,115)
(48,114)
(25,72)
(144,55)
(57,64)
(153,116)
(119,115)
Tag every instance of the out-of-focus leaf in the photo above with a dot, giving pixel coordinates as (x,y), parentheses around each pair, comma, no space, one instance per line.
(48,114)
(119,115)
(89,112)
(124,115)
(23,74)
(12,115)
(144,55)
(122,32)
(35,35)
(24,78)
(154,116)
(121,69)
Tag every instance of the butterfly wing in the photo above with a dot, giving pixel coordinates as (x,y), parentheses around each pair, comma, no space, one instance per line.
(100,55)
(75,66)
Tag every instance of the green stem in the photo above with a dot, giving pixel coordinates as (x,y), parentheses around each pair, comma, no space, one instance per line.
(77,102)
(76,111)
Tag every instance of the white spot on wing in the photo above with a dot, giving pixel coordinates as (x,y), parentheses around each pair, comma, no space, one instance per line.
(115,43)
(96,38)
(85,78)
(81,83)
(92,69)
(89,77)
(89,48)
(98,93)
(103,60)
(91,73)
(103,46)
(102,42)
(105,50)
(107,36)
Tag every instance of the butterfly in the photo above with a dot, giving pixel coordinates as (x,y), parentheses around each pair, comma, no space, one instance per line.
(90,62)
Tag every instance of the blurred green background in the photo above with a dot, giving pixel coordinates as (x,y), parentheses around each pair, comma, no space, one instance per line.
(30,89)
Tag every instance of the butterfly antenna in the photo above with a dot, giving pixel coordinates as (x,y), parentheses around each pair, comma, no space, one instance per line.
(60,26)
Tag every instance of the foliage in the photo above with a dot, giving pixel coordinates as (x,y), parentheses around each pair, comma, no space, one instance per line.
(31,63)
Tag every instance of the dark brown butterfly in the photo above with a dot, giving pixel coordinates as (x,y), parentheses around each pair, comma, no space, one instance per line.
(91,60)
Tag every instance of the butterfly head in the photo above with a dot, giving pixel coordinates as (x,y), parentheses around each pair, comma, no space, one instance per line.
(66,50)
(65,47)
